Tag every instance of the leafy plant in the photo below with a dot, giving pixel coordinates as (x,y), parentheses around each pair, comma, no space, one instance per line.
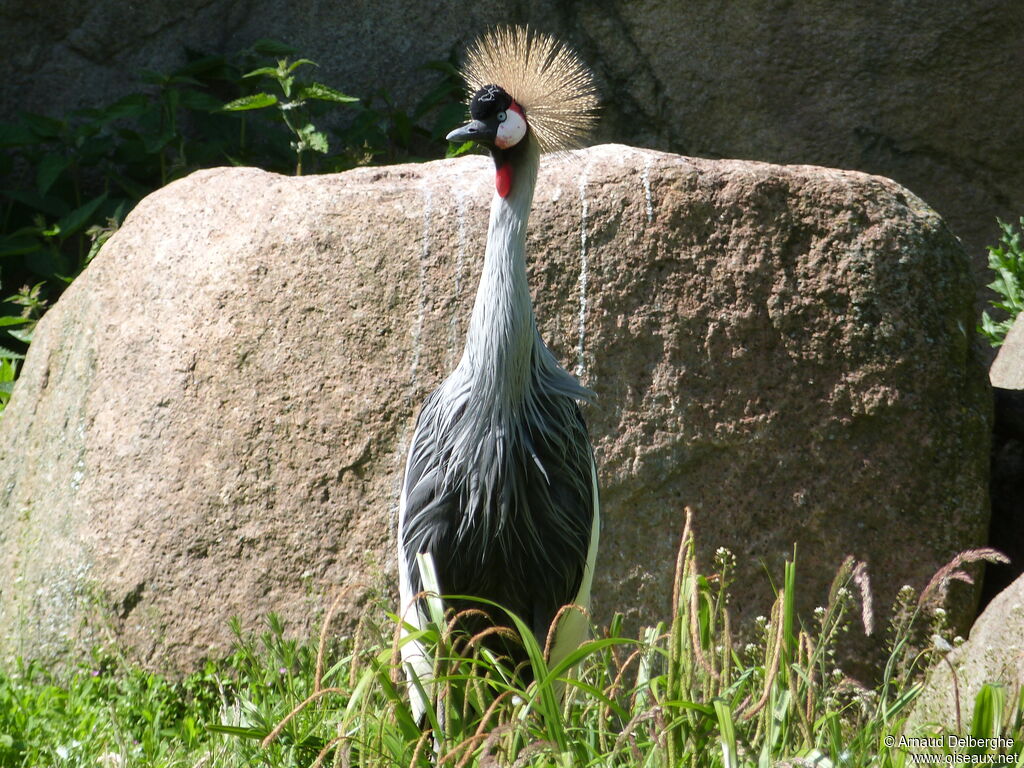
(382,132)
(1006,260)
(104,713)
(681,694)
(8,373)
(21,328)
(293,108)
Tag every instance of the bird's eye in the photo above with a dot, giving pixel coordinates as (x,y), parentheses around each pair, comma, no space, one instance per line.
(501,116)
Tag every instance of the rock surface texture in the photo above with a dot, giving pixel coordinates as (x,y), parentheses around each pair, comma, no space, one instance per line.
(1007,371)
(993,654)
(910,90)
(213,419)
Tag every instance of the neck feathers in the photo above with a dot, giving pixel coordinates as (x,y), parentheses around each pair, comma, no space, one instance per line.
(499,344)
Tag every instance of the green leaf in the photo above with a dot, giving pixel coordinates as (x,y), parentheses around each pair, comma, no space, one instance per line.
(233,730)
(23,334)
(443,93)
(153,77)
(456,150)
(133,105)
(44,127)
(10,354)
(97,243)
(264,71)
(209,66)
(51,206)
(132,188)
(313,139)
(253,101)
(1007,261)
(154,144)
(300,63)
(178,79)
(18,245)
(12,320)
(727,732)
(8,370)
(49,170)
(79,217)
(402,128)
(95,149)
(449,117)
(16,134)
(323,92)
(200,101)
(989,706)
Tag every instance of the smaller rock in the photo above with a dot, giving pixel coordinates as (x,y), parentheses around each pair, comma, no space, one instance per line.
(993,654)
(1007,371)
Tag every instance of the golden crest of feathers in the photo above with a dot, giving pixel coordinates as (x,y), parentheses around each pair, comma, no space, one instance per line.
(555,89)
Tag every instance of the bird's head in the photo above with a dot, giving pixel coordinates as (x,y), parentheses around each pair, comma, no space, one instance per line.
(498,121)
(546,97)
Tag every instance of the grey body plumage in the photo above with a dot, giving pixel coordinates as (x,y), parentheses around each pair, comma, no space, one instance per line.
(500,486)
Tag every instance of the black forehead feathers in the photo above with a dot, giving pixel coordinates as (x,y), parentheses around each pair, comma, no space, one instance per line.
(489,101)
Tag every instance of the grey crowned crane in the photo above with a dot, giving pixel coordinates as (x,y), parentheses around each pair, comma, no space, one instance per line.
(500,485)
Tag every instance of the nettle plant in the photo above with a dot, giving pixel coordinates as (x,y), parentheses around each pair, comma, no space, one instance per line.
(293,108)
(1007,261)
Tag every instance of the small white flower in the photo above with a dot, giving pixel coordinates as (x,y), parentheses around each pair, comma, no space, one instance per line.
(725,558)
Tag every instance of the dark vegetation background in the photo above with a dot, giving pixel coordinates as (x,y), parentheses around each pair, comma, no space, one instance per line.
(926,92)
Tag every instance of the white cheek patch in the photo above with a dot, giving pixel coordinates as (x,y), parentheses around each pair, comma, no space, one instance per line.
(512,130)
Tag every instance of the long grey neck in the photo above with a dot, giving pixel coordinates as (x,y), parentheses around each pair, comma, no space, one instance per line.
(499,343)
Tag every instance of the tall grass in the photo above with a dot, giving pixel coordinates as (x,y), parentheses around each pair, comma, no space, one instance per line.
(679,694)
(684,693)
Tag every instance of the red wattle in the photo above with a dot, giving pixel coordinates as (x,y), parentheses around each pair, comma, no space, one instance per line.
(503,180)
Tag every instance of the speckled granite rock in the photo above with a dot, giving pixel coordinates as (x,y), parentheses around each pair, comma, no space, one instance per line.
(213,419)
(994,653)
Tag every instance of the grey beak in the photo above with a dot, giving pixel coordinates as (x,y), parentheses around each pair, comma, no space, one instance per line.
(474,130)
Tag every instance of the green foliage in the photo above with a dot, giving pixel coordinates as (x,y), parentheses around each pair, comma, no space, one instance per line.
(1006,260)
(67,183)
(293,109)
(683,694)
(8,373)
(103,714)
(20,327)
